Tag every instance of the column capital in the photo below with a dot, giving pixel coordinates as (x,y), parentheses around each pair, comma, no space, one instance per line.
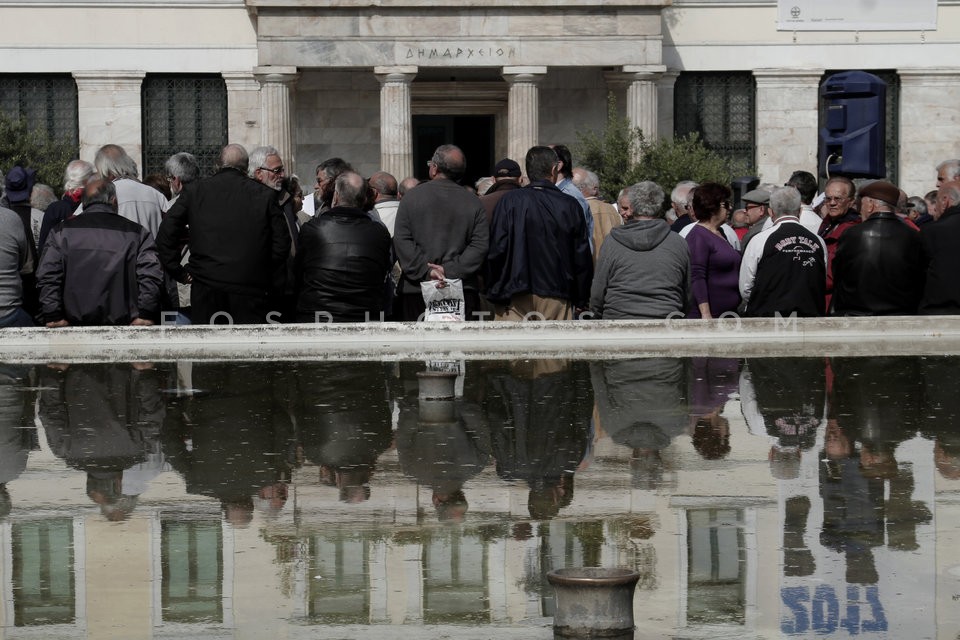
(788,77)
(94,80)
(271,74)
(526,74)
(400,75)
(240,81)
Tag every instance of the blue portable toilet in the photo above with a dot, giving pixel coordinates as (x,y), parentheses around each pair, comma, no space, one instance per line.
(852,136)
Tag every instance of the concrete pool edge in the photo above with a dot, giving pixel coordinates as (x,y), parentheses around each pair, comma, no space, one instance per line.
(747,337)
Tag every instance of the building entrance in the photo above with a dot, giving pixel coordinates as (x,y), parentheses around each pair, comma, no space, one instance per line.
(472,133)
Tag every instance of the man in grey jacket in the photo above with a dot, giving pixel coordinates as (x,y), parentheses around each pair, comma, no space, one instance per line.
(440,233)
(643,270)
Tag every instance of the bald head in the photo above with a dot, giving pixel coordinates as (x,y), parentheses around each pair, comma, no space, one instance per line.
(948,195)
(385,185)
(350,190)
(405,185)
(235,157)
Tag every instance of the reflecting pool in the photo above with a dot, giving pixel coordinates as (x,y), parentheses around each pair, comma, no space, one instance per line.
(757,498)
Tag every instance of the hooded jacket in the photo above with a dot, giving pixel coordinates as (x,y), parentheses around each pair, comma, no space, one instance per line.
(643,272)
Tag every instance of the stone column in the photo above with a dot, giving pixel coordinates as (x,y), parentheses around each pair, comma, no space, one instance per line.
(276,110)
(929,121)
(786,122)
(109,111)
(665,93)
(523,110)
(243,108)
(396,126)
(642,97)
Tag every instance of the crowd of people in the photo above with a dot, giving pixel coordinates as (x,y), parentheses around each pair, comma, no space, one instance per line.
(247,245)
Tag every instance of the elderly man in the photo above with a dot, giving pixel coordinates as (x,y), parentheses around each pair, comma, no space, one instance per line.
(539,265)
(98,268)
(182,168)
(385,202)
(948,171)
(506,178)
(441,233)
(343,258)
(643,270)
(405,185)
(327,172)
(75,176)
(239,243)
(879,268)
(135,200)
(605,215)
(806,184)
(941,296)
(838,217)
(756,208)
(784,269)
(680,203)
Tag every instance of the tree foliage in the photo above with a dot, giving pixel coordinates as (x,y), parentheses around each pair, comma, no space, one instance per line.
(34,148)
(621,155)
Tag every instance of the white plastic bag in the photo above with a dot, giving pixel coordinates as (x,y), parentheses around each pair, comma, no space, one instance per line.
(444,300)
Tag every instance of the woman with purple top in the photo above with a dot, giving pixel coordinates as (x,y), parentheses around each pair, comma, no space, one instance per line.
(714,264)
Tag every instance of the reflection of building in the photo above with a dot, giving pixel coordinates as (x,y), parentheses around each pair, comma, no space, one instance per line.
(382,85)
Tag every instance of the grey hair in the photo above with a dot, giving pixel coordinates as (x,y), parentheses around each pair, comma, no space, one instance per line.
(350,189)
(76,174)
(784,201)
(645,198)
(183,165)
(112,162)
(42,196)
(919,204)
(952,167)
(483,184)
(689,185)
(105,193)
(586,179)
(258,156)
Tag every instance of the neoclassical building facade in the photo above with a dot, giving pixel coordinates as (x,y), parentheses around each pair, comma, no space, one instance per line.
(382,83)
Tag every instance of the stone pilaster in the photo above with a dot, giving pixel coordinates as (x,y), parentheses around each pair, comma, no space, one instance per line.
(243,109)
(276,110)
(786,122)
(396,126)
(665,101)
(523,110)
(110,109)
(929,121)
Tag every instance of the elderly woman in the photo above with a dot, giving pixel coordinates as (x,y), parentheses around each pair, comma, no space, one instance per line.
(643,269)
(714,264)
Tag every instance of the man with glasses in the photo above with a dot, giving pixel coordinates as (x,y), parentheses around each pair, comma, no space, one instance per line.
(239,242)
(756,208)
(182,169)
(838,216)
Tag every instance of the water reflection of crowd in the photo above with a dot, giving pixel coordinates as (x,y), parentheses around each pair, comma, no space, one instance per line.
(241,430)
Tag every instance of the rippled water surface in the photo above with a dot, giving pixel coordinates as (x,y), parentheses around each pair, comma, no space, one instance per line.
(759,498)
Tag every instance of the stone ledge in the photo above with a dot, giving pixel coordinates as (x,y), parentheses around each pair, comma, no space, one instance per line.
(732,337)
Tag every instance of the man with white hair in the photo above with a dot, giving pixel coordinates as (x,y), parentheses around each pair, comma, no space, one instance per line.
(948,171)
(135,200)
(784,268)
(74,179)
(605,216)
(182,169)
(680,203)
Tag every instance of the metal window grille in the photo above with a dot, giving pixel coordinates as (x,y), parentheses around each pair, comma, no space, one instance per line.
(183,113)
(721,107)
(892,133)
(47,102)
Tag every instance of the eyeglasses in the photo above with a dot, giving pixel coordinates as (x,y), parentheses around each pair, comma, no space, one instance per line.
(835,198)
(277,171)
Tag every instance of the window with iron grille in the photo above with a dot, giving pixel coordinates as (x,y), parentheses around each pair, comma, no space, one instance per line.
(183,113)
(892,132)
(47,102)
(721,107)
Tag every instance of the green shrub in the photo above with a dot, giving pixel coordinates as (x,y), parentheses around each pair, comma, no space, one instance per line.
(34,148)
(610,154)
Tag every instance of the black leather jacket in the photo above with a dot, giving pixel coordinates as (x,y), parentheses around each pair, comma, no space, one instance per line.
(343,257)
(878,269)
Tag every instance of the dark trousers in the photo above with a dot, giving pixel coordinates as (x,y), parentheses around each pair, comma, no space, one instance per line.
(233,308)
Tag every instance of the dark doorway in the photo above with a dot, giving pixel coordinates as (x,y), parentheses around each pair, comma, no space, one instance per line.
(473,134)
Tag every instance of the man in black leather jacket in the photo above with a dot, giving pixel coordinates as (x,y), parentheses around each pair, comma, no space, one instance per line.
(343,257)
(878,269)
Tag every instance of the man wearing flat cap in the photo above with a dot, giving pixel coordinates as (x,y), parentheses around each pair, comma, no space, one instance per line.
(878,269)
(506,176)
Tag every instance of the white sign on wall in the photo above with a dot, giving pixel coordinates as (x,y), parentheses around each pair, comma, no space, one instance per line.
(856,15)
